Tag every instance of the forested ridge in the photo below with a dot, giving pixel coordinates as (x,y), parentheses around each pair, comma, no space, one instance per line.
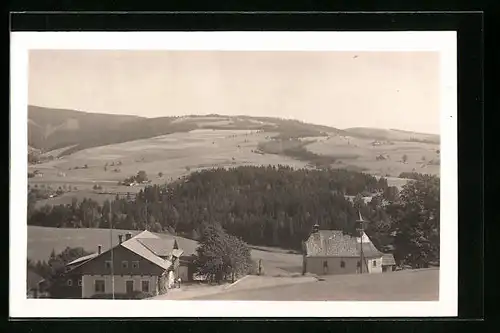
(268,205)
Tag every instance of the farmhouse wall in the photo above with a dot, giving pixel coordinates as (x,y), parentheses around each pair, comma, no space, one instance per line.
(316,265)
(88,284)
(61,288)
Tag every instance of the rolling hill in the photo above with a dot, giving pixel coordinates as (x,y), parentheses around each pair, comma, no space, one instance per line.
(51,129)
(392,135)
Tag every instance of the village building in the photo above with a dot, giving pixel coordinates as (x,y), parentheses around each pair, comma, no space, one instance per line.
(145,263)
(328,252)
(388,263)
(34,284)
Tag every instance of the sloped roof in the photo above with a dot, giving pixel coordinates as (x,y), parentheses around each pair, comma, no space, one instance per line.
(388,259)
(82,259)
(334,243)
(146,234)
(138,248)
(177,253)
(160,247)
(135,244)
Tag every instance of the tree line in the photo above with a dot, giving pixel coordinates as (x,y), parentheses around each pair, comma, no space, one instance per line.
(267,205)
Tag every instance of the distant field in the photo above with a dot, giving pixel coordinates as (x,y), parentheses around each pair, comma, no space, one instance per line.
(41,241)
(174,155)
(360,152)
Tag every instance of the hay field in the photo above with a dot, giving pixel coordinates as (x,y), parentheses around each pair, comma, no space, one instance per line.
(360,152)
(174,155)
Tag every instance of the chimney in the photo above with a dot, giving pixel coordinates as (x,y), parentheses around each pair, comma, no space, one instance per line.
(128,235)
(99,249)
(120,239)
(315,228)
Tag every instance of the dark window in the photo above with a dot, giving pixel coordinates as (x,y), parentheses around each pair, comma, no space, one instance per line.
(129,285)
(107,264)
(69,282)
(374,263)
(125,264)
(135,264)
(145,286)
(79,282)
(342,264)
(358,264)
(99,286)
(325,264)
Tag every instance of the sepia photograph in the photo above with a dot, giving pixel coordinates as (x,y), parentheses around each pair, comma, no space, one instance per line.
(278,174)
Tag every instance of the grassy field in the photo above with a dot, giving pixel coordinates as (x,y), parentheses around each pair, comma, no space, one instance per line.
(411,285)
(360,152)
(174,155)
(41,241)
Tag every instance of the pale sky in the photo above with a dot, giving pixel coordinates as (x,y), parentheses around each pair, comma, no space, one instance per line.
(340,89)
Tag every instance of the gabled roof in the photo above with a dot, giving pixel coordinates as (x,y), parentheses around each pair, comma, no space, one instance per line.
(160,247)
(82,259)
(388,259)
(146,234)
(334,243)
(135,246)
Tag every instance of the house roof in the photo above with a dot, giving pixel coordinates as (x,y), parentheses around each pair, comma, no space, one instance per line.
(134,244)
(334,243)
(160,247)
(137,245)
(82,259)
(388,259)
(146,234)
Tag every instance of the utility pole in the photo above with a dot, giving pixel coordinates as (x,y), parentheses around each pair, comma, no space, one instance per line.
(361,229)
(111,244)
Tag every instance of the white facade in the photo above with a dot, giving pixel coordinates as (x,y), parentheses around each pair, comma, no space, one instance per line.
(120,284)
(374,265)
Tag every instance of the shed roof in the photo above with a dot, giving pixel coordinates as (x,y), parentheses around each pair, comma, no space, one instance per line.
(335,243)
(82,259)
(388,259)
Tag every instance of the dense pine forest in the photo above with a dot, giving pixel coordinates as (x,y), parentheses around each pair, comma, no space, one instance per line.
(268,205)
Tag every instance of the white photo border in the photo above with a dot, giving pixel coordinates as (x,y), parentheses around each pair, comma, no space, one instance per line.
(443,42)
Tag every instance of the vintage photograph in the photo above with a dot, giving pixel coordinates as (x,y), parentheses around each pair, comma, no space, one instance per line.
(233,175)
(290,175)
